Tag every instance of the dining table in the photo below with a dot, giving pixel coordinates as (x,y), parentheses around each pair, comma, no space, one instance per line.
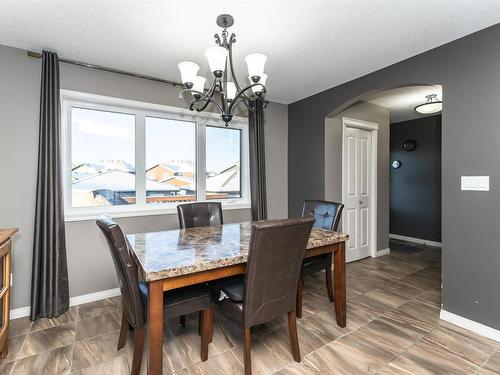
(173,259)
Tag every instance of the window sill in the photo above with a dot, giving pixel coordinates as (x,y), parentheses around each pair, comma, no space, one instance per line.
(91,216)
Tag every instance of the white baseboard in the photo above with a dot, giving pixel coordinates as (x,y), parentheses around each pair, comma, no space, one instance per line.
(383,252)
(73,301)
(470,325)
(415,240)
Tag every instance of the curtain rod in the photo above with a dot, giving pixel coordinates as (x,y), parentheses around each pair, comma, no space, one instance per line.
(38,55)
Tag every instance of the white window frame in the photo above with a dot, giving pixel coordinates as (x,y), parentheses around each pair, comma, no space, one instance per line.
(141,110)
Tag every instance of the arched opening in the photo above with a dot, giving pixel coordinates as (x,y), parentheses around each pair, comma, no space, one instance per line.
(383,161)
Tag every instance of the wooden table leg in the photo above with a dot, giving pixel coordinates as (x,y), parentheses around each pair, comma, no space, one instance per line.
(339,284)
(155,327)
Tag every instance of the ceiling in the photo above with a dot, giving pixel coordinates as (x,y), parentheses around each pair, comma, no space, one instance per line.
(403,100)
(311,45)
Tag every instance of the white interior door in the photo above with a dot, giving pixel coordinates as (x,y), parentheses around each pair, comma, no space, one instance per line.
(357,181)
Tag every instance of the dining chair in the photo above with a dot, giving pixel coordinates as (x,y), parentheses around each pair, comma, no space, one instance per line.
(326,216)
(199,214)
(135,293)
(268,289)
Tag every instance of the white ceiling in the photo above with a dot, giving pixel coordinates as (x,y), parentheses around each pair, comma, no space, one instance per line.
(403,100)
(311,45)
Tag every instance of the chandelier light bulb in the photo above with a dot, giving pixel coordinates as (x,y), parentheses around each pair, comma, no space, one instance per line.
(216,57)
(255,64)
(188,70)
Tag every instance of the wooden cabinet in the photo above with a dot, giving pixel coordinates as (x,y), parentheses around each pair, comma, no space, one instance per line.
(5,249)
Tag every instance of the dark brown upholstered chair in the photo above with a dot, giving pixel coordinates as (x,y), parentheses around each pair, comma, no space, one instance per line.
(199,214)
(327,216)
(134,296)
(269,288)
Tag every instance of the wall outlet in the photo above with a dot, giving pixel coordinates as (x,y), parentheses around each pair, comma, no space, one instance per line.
(475,183)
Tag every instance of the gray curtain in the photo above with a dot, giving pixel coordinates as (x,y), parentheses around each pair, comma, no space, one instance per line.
(257,160)
(49,279)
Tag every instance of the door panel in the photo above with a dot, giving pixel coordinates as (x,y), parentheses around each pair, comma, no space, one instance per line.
(351,221)
(357,186)
(352,166)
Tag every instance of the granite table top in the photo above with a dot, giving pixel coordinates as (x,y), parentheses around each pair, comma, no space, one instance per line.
(171,253)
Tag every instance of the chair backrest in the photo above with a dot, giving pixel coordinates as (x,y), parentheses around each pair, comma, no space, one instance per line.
(326,214)
(126,269)
(199,214)
(275,256)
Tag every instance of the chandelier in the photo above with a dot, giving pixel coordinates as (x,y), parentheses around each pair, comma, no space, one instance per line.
(225,83)
(432,105)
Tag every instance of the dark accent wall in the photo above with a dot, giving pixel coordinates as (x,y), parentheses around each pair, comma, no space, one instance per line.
(469,70)
(415,187)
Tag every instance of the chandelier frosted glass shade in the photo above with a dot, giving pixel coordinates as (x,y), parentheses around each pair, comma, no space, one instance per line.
(255,64)
(199,85)
(432,105)
(231,90)
(216,57)
(188,70)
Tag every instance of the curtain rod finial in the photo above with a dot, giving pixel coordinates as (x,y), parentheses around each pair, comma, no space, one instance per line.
(36,55)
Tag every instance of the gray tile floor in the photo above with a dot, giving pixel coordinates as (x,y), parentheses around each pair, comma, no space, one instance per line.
(392,328)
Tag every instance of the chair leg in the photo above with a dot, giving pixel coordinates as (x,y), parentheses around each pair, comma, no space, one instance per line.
(200,322)
(138,349)
(211,325)
(182,320)
(300,291)
(294,339)
(206,332)
(329,277)
(247,345)
(123,332)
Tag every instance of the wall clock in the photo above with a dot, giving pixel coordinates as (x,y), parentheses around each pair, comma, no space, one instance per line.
(409,145)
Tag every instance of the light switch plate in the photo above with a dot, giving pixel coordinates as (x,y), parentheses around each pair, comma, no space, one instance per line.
(475,183)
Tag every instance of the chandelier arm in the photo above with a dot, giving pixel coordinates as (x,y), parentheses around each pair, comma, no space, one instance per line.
(204,95)
(205,98)
(240,100)
(235,80)
(210,93)
(242,94)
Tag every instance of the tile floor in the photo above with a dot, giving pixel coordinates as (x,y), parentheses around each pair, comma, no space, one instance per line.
(392,328)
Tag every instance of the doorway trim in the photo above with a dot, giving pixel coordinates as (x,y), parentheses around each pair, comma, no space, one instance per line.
(373,128)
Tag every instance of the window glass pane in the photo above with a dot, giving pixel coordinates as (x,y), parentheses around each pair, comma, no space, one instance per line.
(170,160)
(102,158)
(223,161)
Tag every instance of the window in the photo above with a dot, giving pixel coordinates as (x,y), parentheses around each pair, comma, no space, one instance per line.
(102,158)
(170,160)
(130,158)
(223,174)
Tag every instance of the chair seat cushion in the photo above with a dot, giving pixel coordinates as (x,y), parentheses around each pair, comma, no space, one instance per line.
(233,288)
(182,301)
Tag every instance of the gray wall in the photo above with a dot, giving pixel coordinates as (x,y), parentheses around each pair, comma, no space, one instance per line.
(333,161)
(468,69)
(90,266)
(415,187)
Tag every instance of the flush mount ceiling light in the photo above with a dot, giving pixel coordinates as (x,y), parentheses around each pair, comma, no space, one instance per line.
(432,105)
(220,60)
